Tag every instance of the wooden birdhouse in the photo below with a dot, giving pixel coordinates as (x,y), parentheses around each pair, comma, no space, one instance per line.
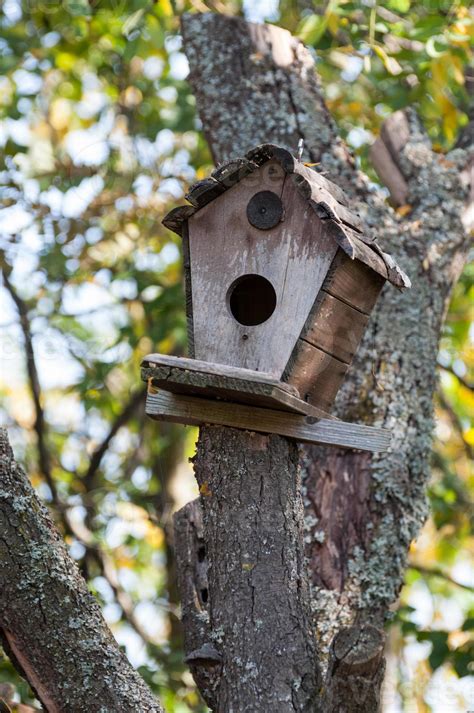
(281,276)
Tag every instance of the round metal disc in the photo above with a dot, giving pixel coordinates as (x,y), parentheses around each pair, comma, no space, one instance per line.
(264,210)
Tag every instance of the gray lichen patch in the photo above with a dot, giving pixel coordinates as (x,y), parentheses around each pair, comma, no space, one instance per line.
(48,618)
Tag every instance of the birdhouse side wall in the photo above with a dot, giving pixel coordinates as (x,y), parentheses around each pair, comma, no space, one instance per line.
(294,256)
(333,330)
(188,292)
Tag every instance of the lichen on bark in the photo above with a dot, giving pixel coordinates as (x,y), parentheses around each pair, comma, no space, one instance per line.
(258,588)
(50,623)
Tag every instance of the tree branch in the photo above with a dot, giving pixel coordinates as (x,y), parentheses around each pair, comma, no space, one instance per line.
(456,421)
(202,655)
(464,382)
(137,399)
(35,388)
(355,671)
(436,572)
(52,625)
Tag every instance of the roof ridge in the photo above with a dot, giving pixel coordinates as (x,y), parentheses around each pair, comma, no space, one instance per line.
(327,199)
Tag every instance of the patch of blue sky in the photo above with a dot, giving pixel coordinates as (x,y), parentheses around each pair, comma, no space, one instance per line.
(88,147)
(153,67)
(12,11)
(18,130)
(27,82)
(14,219)
(165,141)
(261,10)
(179,66)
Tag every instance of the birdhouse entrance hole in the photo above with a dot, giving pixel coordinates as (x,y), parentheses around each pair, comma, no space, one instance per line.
(251,300)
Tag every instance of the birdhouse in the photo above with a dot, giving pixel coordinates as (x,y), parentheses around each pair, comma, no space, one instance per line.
(281,276)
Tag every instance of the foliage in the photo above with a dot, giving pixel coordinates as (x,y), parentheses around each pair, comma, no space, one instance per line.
(99,139)
(393,54)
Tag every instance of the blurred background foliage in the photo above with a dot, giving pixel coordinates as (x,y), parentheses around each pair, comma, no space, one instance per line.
(99,139)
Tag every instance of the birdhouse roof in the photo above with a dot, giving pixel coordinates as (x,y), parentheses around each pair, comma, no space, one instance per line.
(328,201)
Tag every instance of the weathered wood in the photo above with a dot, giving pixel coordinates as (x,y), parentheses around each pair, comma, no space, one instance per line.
(188,290)
(316,374)
(186,376)
(320,182)
(192,565)
(312,189)
(224,246)
(388,172)
(335,327)
(370,256)
(353,282)
(327,200)
(177,218)
(266,152)
(224,370)
(231,172)
(204,192)
(356,670)
(191,410)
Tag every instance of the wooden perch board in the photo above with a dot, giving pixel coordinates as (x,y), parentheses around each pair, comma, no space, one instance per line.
(180,375)
(191,410)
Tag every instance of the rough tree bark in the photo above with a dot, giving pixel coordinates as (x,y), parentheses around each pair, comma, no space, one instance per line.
(253,519)
(256,84)
(50,624)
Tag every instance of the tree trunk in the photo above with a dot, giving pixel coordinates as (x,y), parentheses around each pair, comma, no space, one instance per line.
(50,624)
(256,84)
(258,590)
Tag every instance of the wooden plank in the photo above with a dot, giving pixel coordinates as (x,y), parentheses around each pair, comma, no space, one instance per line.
(206,367)
(294,256)
(210,382)
(203,192)
(188,292)
(312,175)
(312,189)
(353,282)
(335,327)
(177,218)
(163,406)
(316,374)
(367,253)
(233,171)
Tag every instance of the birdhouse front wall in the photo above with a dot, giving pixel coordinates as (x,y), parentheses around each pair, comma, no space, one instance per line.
(253,286)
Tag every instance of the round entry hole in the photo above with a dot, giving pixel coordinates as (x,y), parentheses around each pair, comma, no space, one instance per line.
(252,299)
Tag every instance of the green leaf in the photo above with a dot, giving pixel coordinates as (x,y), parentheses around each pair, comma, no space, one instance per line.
(132,22)
(312,28)
(468,625)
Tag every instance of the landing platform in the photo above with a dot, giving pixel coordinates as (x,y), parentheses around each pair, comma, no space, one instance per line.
(180,375)
(194,392)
